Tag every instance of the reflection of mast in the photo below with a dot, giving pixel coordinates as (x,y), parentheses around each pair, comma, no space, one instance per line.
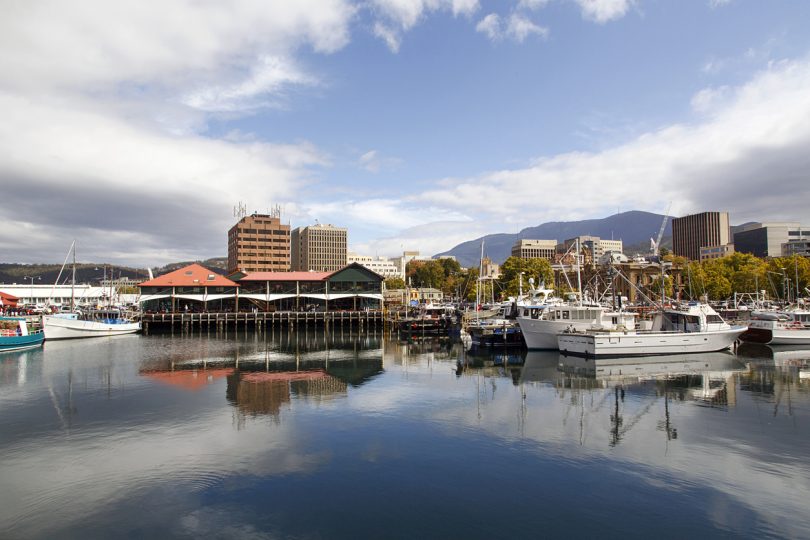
(615,419)
(666,424)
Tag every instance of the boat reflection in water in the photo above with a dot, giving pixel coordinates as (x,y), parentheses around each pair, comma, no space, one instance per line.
(782,355)
(707,378)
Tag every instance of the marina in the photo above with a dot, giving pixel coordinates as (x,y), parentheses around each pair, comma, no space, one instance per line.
(210,432)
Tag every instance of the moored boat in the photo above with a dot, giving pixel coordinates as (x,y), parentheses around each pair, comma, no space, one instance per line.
(99,324)
(540,324)
(16,334)
(790,327)
(695,328)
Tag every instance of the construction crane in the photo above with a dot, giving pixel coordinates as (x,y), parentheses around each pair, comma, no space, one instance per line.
(656,244)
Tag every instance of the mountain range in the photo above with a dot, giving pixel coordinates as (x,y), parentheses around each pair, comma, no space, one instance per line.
(633,228)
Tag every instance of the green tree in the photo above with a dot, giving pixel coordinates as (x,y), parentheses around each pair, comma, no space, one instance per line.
(717,281)
(394,283)
(538,269)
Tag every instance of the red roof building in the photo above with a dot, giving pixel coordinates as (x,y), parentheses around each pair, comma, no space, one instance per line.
(8,300)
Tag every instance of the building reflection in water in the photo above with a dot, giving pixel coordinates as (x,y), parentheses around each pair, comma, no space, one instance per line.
(266,371)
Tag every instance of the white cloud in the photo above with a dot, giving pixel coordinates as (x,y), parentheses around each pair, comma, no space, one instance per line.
(269,76)
(53,44)
(755,136)
(490,26)
(520,28)
(108,179)
(394,17)
(532,4)
(718,3)
(708,98)
(602,11)
(374,162)
(517,28)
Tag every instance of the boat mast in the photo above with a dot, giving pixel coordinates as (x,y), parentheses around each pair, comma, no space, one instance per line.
(579,278)
(73,280)
(480,278)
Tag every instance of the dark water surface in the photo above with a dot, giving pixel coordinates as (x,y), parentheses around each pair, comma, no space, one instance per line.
(307,435)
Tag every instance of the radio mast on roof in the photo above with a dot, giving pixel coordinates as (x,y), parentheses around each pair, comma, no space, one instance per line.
(240,210)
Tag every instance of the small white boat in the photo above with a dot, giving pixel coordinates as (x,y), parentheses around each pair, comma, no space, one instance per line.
(697,328)
(71,325)
(790,327)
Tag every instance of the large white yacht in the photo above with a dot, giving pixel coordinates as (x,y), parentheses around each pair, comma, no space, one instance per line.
(693,328)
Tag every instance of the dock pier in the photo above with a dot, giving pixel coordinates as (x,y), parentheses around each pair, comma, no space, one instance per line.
(362,319)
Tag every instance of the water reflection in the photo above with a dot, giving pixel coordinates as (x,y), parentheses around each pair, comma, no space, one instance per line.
(192,434)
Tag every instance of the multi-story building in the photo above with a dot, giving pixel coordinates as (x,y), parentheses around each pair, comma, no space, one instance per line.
(489,269)
(534,249)
(407,256)
(321,248)
(797,247)
(594,247)
(259,243)
(690,233)
(716,252)
(382,266)
(766,239)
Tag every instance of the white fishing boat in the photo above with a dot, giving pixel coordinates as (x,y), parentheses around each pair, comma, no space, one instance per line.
(789,327)
(86,324)
(694,328)
(100,324)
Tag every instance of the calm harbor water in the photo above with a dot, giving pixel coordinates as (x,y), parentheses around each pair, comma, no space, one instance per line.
(347,435)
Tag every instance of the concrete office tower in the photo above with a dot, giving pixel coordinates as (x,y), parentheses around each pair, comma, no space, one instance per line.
(535,249)
(259,243)
(321,248)
(690,233)
(767,239)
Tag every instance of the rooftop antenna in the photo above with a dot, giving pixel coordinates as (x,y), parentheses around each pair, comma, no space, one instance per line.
(275,211)
(240,210)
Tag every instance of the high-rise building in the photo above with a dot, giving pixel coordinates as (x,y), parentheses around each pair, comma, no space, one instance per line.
(690,233)
(321,248)
(766,239)
(259,243)
(534,249)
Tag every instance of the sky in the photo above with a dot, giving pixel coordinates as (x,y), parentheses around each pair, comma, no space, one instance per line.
(136,127)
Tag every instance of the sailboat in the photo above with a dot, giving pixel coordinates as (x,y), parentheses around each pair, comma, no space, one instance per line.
(83,325)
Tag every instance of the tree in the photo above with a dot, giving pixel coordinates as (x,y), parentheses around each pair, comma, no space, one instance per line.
(539,269)
(394,283)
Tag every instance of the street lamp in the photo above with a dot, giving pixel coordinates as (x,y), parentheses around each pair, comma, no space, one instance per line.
(32,278)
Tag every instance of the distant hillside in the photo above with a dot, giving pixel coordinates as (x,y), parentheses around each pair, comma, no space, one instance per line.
(44,274)
(216,264)
(634,228)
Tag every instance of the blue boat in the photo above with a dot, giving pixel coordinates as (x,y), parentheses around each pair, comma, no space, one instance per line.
(16,334)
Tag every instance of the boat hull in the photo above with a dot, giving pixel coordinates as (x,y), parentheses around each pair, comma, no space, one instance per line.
(59,328)
(542,334)
(496,336)
(18,343)
(773,333)
(615,344)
